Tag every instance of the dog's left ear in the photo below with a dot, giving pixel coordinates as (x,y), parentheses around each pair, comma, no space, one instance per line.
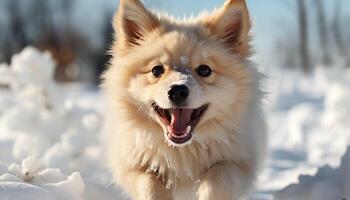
(231,23)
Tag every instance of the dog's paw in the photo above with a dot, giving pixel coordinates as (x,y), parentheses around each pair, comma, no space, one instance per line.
(149,188)
(211,190)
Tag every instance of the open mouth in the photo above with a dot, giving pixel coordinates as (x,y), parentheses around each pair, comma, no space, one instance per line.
(180,122)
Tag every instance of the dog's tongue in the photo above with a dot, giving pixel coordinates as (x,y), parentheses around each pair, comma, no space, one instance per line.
(180,119)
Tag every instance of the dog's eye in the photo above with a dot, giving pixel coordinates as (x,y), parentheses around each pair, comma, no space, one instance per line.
(203,70)
(158,70)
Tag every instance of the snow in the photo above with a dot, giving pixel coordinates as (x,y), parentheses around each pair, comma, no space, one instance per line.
(54,131)
(308,123)
(31,180)
(58,125)
(184,60)
(327,183)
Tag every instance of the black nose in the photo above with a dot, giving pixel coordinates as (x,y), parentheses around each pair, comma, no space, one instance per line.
(178,93)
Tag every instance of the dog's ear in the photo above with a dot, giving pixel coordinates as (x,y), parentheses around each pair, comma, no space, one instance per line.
(231,23)
(132,22)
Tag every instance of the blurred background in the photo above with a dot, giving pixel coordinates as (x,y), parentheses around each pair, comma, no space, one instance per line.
(51,109)
(300,34)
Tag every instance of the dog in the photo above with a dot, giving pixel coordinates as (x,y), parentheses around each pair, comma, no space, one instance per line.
(184,115)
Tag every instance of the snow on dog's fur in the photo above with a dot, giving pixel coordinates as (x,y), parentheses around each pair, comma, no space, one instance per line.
(204,140)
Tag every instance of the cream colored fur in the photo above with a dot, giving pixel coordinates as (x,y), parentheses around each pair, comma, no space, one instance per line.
(228,145)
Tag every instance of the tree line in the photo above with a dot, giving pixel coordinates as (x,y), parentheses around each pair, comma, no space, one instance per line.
(332,45)
(48,25)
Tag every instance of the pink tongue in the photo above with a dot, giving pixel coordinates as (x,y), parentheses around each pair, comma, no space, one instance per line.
(180,119)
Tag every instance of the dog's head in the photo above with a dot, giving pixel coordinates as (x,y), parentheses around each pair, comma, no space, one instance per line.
(180,77)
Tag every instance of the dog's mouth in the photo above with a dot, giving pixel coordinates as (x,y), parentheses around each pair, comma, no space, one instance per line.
(180,122)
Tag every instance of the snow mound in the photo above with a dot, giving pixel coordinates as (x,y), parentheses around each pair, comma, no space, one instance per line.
(40,118)
(33,66)
(31,180)
(308,120)
(58,124)
(328,183)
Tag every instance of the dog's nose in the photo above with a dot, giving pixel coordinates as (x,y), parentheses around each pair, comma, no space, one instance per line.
(178,93)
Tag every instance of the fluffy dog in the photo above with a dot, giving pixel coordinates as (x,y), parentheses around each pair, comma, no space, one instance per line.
(184,116)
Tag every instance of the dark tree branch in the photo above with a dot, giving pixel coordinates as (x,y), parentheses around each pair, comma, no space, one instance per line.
(303,37)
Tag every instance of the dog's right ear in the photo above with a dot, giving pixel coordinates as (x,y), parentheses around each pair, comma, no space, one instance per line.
(132,22)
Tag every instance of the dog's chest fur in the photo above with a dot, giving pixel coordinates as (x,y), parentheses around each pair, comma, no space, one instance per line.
(173,164)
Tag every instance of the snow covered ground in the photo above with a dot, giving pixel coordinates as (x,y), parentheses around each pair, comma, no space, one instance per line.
(52,145)
(309,126)
(327,184)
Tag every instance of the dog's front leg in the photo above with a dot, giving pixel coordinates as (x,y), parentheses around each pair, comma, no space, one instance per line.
(225,181)
(142,186)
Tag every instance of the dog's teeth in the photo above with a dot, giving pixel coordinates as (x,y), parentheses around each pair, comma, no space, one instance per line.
(172,117)
(188,129)
(169,128)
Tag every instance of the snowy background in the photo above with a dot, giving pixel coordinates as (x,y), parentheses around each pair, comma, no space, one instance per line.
(51,138)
